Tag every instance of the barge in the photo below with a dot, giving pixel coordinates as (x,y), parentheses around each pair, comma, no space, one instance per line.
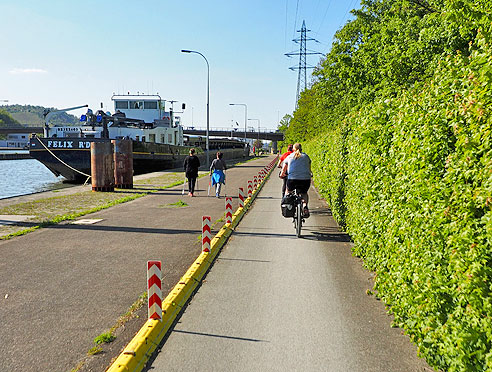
(157,137)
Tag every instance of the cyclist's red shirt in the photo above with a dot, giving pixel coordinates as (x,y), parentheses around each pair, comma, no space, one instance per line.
(282,158)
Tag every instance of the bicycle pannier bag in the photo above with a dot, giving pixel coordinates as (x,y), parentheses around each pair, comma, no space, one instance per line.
(288,205)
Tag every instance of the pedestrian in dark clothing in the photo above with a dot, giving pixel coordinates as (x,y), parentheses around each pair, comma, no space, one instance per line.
(191,165)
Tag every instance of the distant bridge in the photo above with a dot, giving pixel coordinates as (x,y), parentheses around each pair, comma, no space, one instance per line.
(218,132)
(22,129)
(269,136)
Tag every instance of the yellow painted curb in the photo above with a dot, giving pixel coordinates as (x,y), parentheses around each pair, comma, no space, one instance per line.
(140,348)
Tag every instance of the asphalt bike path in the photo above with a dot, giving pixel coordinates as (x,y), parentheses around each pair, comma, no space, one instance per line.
(62,286)
(275,302)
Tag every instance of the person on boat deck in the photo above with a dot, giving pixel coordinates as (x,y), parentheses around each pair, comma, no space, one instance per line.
(191,165)
(217,174)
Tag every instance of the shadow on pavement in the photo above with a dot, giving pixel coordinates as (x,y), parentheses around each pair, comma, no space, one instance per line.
(264,235)
(320,233)
(124,229)
(240,259)
(269,198)
(4,223)
(321,212)
(249,166)
(219,336)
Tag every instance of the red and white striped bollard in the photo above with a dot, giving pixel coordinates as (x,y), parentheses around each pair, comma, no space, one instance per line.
(250,189)
(206,233)
(154,289)
(228,207)
(241,197)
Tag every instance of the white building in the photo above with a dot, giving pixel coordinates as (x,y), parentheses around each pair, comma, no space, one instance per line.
(16,140)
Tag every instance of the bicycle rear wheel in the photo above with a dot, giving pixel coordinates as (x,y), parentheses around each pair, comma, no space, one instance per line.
(298,219)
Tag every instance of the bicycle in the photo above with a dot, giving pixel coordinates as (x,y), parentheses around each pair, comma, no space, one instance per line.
(292,207)
(298,218)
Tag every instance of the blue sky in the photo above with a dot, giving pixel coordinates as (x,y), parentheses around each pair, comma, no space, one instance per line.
(69,53)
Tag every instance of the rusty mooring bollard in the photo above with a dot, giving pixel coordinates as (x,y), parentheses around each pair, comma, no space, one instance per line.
(123,163)
(102,166)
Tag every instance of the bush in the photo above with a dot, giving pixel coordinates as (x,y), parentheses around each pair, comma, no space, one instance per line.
(410,177)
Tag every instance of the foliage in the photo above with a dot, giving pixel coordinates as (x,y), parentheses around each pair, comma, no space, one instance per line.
(328,156)
(6,120)
(130,313)
(258,144)
(55,219)
(178,204)
(283,126)
(33,115)
(95,350)
(104,338)
(390,45)
(398,123)
(284,123)
(419,206)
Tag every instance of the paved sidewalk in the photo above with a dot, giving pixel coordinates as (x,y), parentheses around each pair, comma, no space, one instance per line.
(62,286)
(273,302)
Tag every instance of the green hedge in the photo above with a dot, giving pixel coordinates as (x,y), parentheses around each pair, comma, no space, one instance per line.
(328,156)
(410,178)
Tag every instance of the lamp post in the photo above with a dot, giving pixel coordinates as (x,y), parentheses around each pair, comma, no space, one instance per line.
(208,99)
(245,116)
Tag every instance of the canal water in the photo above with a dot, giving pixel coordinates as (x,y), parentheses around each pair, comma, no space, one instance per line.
(26,176)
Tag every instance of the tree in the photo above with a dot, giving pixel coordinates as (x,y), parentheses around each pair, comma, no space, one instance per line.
(33,115)
(258,144)
(6,120)
(284,123)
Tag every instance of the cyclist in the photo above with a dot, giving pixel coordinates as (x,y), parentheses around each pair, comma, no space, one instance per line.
(290,150)
(297,168)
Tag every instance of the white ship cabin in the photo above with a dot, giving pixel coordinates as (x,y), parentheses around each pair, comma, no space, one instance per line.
(145,107)
(150,108)
(166,128)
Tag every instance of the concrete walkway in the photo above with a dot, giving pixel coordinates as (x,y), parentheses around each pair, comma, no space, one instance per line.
(273,302)
(62,286)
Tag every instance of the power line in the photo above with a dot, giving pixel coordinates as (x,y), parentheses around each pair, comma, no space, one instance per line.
(286,13)
(295,20)
(350,7)
(324,16)
(316,8)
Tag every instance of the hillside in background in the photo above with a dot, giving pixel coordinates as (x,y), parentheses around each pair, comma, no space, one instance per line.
(6,120)
(33,115)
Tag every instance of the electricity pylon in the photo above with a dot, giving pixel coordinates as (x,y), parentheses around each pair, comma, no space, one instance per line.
(302,53)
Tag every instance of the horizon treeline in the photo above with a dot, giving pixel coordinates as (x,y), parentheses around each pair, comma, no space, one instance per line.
(33,115)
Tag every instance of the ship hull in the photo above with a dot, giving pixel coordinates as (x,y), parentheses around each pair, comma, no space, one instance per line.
(71,157)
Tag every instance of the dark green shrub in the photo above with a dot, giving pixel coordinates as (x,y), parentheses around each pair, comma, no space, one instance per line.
(411,179)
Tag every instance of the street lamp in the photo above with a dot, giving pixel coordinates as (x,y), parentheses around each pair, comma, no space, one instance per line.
(245,116)
(208,98)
